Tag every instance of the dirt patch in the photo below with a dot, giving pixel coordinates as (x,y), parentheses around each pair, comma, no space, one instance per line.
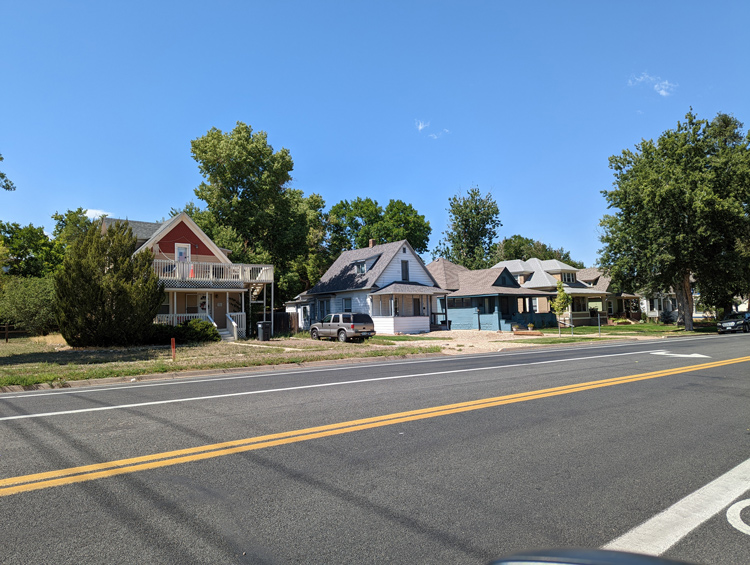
(475,341)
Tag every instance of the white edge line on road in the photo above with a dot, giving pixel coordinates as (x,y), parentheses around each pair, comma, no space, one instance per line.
(187,380)
(303,387)
(657,535)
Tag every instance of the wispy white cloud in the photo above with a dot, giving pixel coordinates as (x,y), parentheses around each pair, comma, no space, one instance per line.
(439,134)
(662,86)
(665,88)
(94,214)
(421,125)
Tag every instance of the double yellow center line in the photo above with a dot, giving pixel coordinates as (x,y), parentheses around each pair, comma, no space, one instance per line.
(26,483)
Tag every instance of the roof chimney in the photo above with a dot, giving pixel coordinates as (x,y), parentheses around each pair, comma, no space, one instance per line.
(372,243)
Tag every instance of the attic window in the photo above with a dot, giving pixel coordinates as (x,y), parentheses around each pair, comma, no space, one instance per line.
(360,268)
(568,277)
(403,250)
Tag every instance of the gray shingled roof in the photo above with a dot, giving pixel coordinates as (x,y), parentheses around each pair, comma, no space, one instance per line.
(515,266)
(446,273)
(342,276)
(595,278)
(409,288)
(487,282)
(141,230)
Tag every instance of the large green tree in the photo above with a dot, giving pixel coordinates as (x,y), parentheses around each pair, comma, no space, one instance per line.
(30,253)
(353,224)
(5,182)
(106,293)
(250,208)
(473,221)
(681,212)
(524,248)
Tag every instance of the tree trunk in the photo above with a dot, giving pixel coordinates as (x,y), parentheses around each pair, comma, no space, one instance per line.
(684,302)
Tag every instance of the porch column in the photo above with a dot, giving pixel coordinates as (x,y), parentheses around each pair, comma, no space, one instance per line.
(242,298)
(227,302)
(174,312)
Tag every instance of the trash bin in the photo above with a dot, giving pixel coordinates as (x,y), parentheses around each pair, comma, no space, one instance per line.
(264,331)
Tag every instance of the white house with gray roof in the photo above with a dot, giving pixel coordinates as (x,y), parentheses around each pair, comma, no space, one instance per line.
(387,281)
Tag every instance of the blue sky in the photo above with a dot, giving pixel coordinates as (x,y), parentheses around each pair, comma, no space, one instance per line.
(393,100)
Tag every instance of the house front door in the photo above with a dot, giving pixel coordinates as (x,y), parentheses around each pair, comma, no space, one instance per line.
(505,308)
(205,305)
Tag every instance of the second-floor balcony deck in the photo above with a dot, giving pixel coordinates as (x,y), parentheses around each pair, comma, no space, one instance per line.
(191,274)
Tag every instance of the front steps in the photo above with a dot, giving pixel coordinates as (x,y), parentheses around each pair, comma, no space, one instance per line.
(226,334)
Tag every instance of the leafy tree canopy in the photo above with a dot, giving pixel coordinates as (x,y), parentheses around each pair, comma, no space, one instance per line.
(472,228)
(246,189)
(353,224)
(562,301)
(5,182)
(30,253)
(69,226)
(524,248)
(681,208)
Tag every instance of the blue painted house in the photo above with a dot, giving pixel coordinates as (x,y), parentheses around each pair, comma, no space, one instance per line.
(487,299)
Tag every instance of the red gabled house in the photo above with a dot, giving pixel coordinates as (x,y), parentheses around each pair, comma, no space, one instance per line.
(199,278)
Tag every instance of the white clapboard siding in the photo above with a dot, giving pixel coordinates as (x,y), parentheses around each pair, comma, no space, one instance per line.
(412,324)
(359,302)
(417,271)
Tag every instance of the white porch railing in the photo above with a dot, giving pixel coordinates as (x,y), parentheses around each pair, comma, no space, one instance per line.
(176,319)
(215,272)
(237,322)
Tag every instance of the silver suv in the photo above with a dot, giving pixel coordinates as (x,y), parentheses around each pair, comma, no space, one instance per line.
(344,327)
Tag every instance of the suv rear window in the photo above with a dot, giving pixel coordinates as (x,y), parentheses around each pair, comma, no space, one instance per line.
(362,319)
(346,318)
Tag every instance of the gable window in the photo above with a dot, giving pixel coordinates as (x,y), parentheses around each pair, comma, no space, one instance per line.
(404,270)
(347,304)
(360,268)
(182,252)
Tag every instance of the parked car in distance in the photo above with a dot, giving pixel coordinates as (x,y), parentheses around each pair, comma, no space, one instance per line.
(734,322)
(344,326)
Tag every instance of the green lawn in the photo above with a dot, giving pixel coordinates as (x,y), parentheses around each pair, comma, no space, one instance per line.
(629,329)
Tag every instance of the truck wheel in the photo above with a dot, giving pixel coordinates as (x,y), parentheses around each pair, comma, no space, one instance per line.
(342,336)
(314,334)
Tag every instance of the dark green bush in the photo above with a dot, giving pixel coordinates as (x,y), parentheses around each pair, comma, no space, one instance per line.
(190,332)
(29,304)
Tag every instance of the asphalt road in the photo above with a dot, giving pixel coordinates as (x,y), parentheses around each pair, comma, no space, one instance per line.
(442,460)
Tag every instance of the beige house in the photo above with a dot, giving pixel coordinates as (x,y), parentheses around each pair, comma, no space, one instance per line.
(536,274)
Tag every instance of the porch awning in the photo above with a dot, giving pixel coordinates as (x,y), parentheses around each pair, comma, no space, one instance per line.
(409,288)
(205,288)
(196,284)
